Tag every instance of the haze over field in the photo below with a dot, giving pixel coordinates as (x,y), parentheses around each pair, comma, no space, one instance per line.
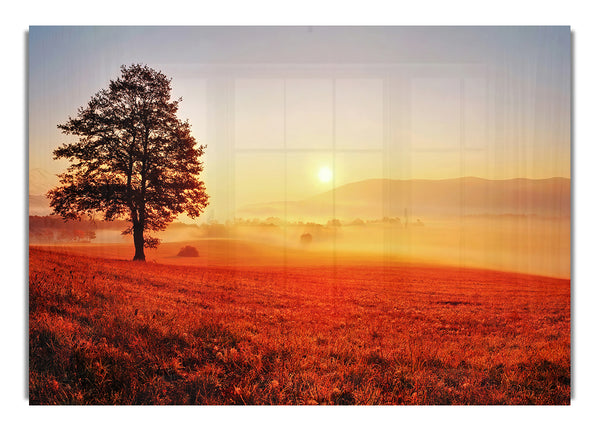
(520,225)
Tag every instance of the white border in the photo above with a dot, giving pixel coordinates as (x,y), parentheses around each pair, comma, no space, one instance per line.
(16,19)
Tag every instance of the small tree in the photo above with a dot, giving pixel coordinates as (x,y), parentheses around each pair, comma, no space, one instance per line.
(334,223)
(306,238)
(188,251)
(134,158)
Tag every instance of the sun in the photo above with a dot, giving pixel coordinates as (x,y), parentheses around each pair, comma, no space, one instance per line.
(325,174)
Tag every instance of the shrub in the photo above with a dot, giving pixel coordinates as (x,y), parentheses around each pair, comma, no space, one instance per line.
(306,238)
(188,251)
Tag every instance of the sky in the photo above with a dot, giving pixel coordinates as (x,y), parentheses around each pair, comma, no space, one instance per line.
(277,106)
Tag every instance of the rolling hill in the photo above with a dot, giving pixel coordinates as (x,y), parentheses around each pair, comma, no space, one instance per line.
(377,198)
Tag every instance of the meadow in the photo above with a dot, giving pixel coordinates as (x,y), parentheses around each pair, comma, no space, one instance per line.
(304,330)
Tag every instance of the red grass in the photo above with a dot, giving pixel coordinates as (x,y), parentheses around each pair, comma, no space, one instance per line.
(105,331)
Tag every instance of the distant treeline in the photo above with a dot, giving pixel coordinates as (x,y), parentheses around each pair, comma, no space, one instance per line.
(50,229)
(55,229)
(276,221)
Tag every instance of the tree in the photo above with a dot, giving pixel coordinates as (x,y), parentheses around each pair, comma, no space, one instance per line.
(134,159)
(334,223)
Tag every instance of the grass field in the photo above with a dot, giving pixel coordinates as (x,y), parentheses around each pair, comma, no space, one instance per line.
(110,331)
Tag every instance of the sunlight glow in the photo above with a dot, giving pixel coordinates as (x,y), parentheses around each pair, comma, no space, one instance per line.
(325,174)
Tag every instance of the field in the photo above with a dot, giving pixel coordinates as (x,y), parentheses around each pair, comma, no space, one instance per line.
(341,330)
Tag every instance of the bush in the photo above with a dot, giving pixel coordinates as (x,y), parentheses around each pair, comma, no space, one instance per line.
(188,251)
(306,238)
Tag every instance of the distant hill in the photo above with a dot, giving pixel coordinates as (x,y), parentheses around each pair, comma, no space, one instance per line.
(40,181)
(465,196)
(39,205)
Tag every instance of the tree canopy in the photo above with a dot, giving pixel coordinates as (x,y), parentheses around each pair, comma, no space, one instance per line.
(133,159)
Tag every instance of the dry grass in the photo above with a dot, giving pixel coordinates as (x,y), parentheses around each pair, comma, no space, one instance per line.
(105,331)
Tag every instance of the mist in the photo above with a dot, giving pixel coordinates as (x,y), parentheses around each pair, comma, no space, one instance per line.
(525,244)
(518,225)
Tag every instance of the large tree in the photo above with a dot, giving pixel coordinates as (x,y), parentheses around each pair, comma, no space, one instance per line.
(133,159)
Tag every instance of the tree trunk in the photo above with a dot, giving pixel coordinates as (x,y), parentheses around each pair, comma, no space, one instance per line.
(138,241)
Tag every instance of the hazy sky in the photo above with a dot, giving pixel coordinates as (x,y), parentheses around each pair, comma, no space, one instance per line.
(277,105)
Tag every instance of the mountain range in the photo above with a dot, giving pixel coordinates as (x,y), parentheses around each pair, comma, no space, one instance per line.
(466,196)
